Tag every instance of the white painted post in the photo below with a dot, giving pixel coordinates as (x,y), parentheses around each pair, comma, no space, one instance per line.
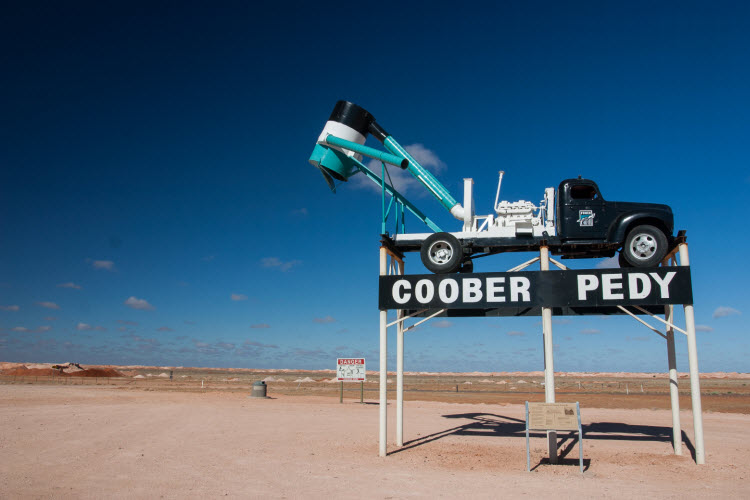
(400,381)
(549,368)
(674,392)
(383,363)
(695,385)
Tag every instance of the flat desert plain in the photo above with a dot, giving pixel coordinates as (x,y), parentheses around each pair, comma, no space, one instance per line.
(201,435)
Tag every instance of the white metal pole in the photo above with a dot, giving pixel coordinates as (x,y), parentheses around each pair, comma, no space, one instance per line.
(400,372)
(383,363)
(400,382)
(549,366)
(674,391)
(695,385)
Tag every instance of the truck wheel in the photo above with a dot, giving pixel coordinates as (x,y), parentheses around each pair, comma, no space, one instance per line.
(441,253)
(622,261)
(645,246)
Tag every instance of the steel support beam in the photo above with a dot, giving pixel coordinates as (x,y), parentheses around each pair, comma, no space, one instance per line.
(549,366)
(695,385)
(383,364)
(674,392)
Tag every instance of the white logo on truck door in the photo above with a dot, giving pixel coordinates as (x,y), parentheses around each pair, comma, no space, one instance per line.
(586,218)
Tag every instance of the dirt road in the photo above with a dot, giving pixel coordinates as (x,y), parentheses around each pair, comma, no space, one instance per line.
(100,442)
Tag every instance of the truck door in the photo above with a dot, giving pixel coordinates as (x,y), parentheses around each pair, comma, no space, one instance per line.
(583,212)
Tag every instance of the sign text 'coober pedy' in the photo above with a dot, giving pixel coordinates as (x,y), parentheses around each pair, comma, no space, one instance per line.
(573,288)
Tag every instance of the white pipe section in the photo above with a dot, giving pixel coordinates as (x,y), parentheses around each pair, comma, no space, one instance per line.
(549,368)
(458,212)
(695,385)
(674,393)
(383,365)
(497,195)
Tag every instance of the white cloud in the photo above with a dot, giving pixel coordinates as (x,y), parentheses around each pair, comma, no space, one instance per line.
(107,265)
(9,308)
(590,331)
(69,284)
(516,333)
(609,263)
(48,305)
(703,328)
(275,262)
(82,327)
(141,304)
(326,319)
(260,325)
(23,329)
(402,180)
(723,311)
(443,323)
(164,329)
(238,297)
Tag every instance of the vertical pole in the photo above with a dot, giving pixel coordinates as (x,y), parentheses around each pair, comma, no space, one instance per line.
(382,198)
(400,381)
(341,395)
(400,372)
(695,385)
(674,392)
(383,363)
(549,368)
(361,393)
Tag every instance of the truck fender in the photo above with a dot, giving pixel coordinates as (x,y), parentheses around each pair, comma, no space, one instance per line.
(619,228)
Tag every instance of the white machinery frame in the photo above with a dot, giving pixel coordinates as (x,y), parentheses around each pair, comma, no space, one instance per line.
(392,264)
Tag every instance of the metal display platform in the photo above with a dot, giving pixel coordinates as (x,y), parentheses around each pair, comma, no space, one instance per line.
(401,285)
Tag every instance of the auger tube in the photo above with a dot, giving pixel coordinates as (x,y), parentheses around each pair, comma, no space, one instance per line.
(352,123)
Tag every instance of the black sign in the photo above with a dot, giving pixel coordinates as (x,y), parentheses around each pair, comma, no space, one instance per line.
(588,289)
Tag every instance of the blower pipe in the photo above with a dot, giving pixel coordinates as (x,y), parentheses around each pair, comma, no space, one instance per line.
(352,123)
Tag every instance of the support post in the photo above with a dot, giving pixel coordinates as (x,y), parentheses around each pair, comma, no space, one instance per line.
(549,368)
(674,392)
(695,386)
(400,379)
(383,364)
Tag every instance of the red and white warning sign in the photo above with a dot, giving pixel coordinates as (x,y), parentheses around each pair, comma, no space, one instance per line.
(350,369)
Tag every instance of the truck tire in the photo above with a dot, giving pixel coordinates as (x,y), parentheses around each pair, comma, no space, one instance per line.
(441,253)
(624,264)
(645,246)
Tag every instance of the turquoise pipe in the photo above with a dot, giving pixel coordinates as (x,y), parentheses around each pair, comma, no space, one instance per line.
(421,174)
(392,159)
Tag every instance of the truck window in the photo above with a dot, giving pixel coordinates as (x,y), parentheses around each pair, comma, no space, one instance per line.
(583,192)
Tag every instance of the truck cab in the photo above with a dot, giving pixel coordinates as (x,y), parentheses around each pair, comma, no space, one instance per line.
(581,211)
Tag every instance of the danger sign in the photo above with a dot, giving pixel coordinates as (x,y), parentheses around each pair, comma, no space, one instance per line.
(350,369)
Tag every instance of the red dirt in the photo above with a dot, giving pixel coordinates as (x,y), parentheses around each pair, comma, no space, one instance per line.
(23,371)
(35,372)
(97,372)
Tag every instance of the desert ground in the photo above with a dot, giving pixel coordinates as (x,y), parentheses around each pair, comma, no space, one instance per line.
(132,432)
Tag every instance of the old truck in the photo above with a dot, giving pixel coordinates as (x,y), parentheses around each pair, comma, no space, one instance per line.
(574,221)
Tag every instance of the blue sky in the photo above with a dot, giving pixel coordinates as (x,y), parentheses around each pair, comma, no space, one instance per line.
(157,206)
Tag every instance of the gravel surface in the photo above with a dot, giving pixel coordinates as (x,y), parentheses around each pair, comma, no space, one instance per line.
(100,442)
